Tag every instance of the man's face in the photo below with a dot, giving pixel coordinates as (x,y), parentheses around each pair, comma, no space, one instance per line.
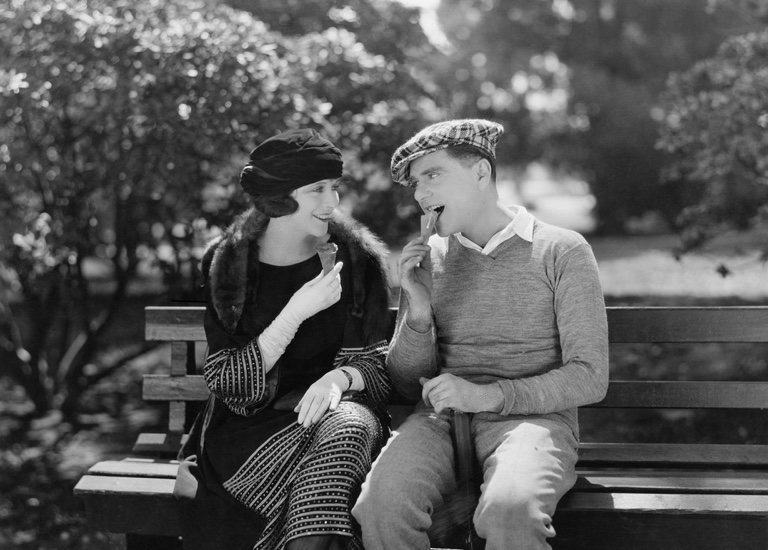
(443,183)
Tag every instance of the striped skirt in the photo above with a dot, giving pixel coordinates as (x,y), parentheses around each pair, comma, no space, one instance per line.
(304,481)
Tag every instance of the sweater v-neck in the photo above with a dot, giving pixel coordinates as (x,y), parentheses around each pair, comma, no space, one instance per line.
(477,257)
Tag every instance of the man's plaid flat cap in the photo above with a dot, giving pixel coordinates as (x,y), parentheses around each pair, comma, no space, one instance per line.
(479,133)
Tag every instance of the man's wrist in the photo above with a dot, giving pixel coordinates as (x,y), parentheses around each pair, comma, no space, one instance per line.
(492,397)
(419,320)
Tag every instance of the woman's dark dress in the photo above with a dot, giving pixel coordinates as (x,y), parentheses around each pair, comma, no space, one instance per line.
(256,478)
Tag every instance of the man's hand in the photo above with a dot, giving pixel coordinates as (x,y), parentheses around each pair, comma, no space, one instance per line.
(451,392)
(416,281)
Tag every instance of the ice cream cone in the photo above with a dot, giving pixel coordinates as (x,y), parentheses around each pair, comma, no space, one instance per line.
(428,222)
(327,253)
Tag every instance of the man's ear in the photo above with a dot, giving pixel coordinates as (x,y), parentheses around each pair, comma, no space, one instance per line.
(483,173)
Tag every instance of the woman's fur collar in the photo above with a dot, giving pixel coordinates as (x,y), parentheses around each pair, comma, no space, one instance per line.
(230,257)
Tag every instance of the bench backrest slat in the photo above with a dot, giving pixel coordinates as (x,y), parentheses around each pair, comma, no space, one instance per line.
(686,395)
(160,387)
(174,323)
(687,324)
(621,394)
(625,324)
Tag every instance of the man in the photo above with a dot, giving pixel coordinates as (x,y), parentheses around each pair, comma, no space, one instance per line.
(501,316)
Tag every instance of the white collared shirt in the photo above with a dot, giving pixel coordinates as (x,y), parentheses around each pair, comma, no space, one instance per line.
(521,225)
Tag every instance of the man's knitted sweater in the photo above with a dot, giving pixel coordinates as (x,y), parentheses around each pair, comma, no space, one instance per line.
(529,317)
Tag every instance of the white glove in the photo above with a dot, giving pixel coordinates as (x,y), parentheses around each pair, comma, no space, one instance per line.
(324,395)
(316,295)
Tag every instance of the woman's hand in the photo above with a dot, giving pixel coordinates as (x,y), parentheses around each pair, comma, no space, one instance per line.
(316,295)
(324,395)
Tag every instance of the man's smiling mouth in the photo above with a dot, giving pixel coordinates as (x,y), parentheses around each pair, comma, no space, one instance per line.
(435,208)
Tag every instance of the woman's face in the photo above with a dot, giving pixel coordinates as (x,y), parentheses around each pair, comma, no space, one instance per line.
(317,202)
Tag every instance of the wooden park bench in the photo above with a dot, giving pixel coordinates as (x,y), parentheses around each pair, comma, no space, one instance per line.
(628,496)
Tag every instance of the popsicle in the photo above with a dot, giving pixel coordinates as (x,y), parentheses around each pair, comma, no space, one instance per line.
(428,222)
(327,253)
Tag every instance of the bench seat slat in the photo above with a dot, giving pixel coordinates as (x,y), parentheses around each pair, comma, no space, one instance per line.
(666,502)
(126,485)
(166,444)
(680,454)
(672,481)
(138,467)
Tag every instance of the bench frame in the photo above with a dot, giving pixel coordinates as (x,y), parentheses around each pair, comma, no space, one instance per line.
(628,495)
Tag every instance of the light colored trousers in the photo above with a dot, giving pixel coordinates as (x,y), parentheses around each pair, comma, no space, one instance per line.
(528,465)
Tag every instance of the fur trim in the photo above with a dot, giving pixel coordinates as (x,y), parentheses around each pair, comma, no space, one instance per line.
(225,266)
(370,280)
(229,258)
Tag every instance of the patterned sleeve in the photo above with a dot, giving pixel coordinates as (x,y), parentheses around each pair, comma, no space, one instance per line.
(234,371)
(370,361)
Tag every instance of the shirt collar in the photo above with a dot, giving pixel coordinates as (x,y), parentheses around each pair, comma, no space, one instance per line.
(521,225)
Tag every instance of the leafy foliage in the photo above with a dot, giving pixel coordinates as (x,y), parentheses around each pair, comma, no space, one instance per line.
(122,127)
(575,84)
(716,126)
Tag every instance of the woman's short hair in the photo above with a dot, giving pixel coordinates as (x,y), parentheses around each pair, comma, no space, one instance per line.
(275,206)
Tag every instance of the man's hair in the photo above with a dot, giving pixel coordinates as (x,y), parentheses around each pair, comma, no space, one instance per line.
(468,155)
(275,206)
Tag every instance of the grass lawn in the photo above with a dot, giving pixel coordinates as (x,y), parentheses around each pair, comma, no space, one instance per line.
(645,267)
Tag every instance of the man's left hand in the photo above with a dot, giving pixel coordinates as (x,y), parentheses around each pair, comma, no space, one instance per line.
(451,392)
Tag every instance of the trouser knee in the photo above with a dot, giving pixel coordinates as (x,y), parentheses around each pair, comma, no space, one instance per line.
(511,514)
(381,500)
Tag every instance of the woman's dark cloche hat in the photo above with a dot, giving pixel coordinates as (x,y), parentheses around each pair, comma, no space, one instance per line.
(288,161)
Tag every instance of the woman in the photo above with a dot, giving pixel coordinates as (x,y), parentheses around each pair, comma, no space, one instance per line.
(277,457)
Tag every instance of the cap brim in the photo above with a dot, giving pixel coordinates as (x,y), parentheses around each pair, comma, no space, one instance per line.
(401,169)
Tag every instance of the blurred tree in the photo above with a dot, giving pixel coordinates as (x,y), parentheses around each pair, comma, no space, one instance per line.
(716,130)
(392,32)
(122,127)
(575,83)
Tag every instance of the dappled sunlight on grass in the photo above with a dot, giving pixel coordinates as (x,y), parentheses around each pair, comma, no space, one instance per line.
(646,266)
